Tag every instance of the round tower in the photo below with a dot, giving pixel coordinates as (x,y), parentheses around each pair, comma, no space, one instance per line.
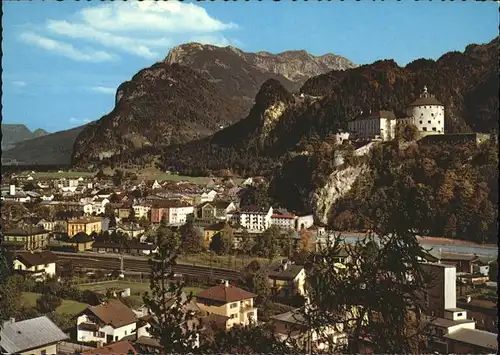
(427,113)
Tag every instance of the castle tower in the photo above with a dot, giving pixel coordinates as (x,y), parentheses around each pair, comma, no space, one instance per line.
(427,114)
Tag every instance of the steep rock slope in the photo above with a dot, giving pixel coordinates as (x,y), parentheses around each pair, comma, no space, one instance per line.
(161,105)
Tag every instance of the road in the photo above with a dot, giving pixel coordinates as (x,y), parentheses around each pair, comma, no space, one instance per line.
(140,264)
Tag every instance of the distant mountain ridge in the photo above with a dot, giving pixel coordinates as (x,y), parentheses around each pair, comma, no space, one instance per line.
(15,133)
(51,149)
(194,92)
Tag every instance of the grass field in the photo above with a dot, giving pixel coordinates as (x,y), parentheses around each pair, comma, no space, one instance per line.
(136,289)
(222,261)
(57,175)
(67,306)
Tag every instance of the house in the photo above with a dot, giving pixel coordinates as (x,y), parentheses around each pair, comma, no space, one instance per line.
(99,205)
(87,225)
(462,262)
(304,222)
(16,196)
(133,247)
(283,219)
(210,231)
(481,267)
(471,341)
(27,237)
(38,265)
(121,347)
(208,196)
(130,229)
(46,224)
(32,336)
(106,323)
(427,114)
(175,212)
(81,241)
(229,301)
(294,324)
(141,210)
(482,310)
(377,125)
(216,209)
(255,218)
(287,279)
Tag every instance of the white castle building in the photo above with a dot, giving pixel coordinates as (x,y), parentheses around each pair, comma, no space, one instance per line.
(426,113)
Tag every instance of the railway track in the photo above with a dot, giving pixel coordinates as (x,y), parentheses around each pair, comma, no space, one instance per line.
(96,262)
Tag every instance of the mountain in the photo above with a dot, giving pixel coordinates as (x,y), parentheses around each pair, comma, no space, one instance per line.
(50,149)
(243,73)
(281,122)
(14,133)
(191,94)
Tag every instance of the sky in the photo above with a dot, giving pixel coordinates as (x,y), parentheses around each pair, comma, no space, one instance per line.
(63,60)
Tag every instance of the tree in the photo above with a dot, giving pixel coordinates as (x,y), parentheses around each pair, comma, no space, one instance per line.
(406,131)
(268,243)
(47,303)
(131,215)
(10,297)
(219,244)
(171,324)
(109,210)
(191,240)
(345,295)
(100,175)
(247,243)
(255,196)
(117,177)
(306,240)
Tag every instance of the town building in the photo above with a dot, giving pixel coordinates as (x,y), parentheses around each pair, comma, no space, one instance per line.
(210,231)
(293,324)
(121,347)
(283,220)
(254,218)
(216,210)
(27,237)
(106,323)
(81,241)
(471,341)
(32,336)
(141,210)
(229,301)
(442,293)
(483,310)
(16,196)
(131,230)
(87,225)
(37,265)
(287,279)
(175,212)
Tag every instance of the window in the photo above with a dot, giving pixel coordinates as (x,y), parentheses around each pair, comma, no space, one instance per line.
(439,122)
(43,352)
(233,305)
(420,122)
(125,332)
(428,121)
(459,314)
(434,129)
(116,338)
(233,316)
(424,129)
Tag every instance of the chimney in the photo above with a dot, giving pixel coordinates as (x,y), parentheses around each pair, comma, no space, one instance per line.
(226,283)
(12,190)
(469,299)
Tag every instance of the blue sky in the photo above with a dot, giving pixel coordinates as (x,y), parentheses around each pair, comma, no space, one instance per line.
(62,61)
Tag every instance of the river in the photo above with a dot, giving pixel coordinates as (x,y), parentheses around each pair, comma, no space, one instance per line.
(489,252)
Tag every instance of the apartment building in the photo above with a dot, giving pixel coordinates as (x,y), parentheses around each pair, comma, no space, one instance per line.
(254,218)
(175,212)
(87,225)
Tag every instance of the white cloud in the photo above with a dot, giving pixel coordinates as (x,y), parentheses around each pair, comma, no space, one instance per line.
(103,89)
(65,49)
(146,29)
(19,83)
(74,120)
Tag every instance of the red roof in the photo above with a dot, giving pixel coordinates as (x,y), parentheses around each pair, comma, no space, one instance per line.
(118,348)
(225,294)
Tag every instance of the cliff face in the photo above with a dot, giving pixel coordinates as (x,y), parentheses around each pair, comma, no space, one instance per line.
(338,184)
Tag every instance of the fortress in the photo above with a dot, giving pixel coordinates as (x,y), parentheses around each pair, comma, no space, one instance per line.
(426,113)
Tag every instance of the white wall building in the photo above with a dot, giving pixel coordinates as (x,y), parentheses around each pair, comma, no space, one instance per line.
(257,219)
(38,265)
(178,215)
(377,125)
(141,210)
(106,323)
(427,114)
